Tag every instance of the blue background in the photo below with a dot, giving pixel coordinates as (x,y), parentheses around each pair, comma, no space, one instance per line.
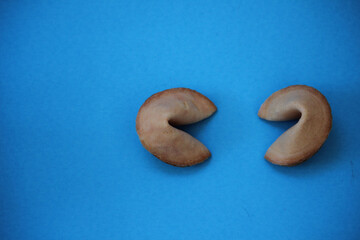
(74,74)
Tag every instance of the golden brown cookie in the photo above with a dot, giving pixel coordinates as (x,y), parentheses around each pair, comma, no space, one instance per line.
(305,138)
(156,120)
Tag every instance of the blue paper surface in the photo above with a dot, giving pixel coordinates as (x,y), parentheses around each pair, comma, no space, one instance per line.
(73,75)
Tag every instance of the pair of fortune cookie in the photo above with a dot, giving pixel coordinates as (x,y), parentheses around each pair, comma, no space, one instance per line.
(160,114)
